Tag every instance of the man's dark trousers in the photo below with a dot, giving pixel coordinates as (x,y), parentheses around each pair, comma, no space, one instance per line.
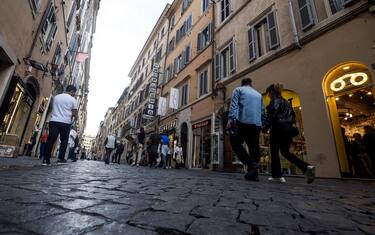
(56,128)
(248,133)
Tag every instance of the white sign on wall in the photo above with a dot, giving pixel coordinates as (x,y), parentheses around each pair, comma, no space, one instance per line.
(162,106)
(173,101)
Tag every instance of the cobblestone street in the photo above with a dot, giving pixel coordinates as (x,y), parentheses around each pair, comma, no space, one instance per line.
(90,197)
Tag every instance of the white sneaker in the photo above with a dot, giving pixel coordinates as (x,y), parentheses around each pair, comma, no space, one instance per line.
(137,164)
(281,179)
(133,164)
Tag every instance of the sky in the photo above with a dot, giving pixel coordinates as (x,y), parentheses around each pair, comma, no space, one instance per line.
(122,29)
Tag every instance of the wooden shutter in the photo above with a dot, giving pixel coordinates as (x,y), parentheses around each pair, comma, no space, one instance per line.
(51,36)
(232,57)
(209,33)
(199,46)
(347,2)
(273,37)
(252,44)
(306,12)
(218,66)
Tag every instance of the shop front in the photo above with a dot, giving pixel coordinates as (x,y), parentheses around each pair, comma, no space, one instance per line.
(349,91)
(15,111)
(202,144)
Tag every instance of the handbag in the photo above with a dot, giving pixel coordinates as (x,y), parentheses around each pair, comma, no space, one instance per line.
(232,130)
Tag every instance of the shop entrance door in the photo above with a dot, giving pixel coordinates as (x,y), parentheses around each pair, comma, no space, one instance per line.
(350,97)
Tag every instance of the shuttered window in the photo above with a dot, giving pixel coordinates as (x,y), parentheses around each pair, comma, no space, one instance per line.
(273,38)
(232,58)
(218,66)
(72,12)
(203,83)
(252,44)
(184,95)
(204,37)
(347,2)
(306,12)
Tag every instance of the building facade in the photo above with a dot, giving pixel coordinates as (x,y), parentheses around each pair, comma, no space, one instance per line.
(39,42)
(323,54)
(188,80)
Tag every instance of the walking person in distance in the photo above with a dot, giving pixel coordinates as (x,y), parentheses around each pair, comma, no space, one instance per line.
(110,145)
(246,115)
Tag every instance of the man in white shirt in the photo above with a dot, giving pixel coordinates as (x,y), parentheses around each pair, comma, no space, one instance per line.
(64,111)
(110,145)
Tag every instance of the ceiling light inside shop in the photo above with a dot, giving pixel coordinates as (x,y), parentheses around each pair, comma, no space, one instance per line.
(345,118)
(369,93)
(337,98)
(346,68)
(350,95)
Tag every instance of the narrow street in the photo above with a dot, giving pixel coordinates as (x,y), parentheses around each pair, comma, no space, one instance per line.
(89,197)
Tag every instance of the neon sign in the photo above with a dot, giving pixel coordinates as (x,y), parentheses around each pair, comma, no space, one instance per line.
(339,83)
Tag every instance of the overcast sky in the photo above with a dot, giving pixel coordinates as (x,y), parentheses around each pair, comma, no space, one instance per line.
(122,29)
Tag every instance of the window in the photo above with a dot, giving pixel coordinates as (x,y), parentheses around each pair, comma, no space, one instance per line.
(205,37)
(306,12)
(184,95)
(168,73)
(73,10)
(203,83)
(205,5)
(57,57)
(335,5)
(181,60)
(162,33)
(172,22)
(170,47)
(186,27)
(49,28)
(224,9)
(225,62)
(263,36)
(158,55)
(185,5)
(35,5)
(73,44)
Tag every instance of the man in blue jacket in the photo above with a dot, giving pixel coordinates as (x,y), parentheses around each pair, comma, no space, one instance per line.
(246,117)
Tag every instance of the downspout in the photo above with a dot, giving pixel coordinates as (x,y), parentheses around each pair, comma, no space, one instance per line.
(213,46)
(293,24)
(66,37)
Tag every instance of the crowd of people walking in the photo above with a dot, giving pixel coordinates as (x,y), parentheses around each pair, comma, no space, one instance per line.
(246,120)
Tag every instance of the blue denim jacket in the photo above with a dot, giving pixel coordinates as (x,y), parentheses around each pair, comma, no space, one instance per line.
(247,106)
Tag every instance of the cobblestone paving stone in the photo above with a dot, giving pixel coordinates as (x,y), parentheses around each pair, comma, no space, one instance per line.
(90,197)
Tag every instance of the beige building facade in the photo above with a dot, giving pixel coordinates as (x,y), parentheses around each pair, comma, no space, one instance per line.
(187,81)
(323,54)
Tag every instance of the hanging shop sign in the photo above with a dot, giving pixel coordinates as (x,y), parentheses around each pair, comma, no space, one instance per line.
(169,126)
(162,106)
(201,124)
(173,101)
(355,79)
(151,106)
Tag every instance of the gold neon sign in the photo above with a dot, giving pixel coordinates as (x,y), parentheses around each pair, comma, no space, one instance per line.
(339,83)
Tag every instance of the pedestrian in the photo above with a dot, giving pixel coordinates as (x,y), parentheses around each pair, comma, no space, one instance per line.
(72,145)
(64,111)
(361,160)
(83,153)
(164,151)
(153,144)
(43,141)
(110,145)
(280,118)
(141,142)
(119,151)
(178,156)
(245,119)
(368,141)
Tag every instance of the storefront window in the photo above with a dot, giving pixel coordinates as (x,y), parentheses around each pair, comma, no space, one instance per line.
(202,144)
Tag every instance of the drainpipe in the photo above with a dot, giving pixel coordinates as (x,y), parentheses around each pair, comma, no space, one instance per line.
(213,50)
(293,24)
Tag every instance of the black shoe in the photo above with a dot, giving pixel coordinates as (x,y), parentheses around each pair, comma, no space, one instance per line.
(61,161)
(252,175)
